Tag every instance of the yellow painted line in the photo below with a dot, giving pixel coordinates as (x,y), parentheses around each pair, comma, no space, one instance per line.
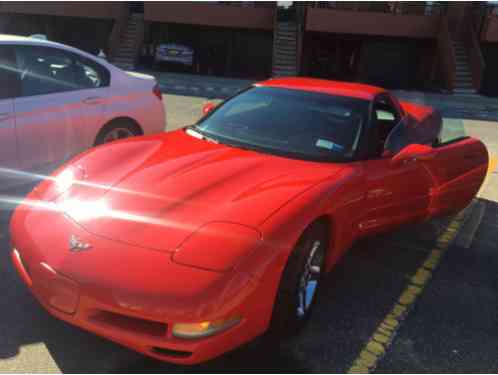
(381,339)
(492,163)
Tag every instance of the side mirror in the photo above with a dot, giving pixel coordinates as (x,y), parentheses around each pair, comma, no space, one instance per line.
(208,107)
(413,153)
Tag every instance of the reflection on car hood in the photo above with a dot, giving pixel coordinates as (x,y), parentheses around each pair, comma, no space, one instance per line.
(159,189)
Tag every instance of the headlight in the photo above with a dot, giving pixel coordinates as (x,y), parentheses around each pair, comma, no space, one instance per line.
(217,246)
(203,329)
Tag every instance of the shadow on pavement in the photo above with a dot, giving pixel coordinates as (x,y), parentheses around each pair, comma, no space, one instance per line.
(454,325)
(24,322)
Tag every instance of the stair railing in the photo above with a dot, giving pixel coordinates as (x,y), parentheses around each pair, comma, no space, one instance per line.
(473,49)
(118,28)
(446,54)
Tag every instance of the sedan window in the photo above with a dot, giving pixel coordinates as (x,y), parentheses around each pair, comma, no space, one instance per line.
(9,77)
(89,74)
(44,70)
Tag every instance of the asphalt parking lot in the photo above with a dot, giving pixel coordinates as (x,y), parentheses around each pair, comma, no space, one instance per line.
(423,299)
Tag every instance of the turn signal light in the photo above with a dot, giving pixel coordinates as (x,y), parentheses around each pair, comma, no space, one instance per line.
(157,91)
(203,329)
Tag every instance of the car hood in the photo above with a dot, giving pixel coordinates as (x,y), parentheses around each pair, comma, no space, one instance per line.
(155,191)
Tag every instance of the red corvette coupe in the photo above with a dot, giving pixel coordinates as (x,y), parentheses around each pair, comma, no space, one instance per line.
(185,245)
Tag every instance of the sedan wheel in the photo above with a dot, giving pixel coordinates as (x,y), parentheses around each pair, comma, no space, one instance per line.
(117,133)
(117,130)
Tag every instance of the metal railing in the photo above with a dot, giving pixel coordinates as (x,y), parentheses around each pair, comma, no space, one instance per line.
(246,4)
(425,8)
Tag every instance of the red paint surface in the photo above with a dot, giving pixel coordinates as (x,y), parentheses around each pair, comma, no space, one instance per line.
(198,231)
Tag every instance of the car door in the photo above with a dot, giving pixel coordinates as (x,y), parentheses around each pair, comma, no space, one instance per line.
(92,80)
(458,169)
(50,108)
(394,194)
(8,91)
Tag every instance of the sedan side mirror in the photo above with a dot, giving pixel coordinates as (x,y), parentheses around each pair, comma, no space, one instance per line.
(413,153)
(208,107)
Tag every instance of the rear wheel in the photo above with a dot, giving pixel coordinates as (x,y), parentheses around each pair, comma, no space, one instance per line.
(300,282)
(118,130)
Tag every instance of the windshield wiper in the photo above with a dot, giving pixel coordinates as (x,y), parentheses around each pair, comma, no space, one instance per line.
(194,131)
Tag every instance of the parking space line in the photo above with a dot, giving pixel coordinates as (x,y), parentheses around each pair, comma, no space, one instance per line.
(492,163)
(380,341)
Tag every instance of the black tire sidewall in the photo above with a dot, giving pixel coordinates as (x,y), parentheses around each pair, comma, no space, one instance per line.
(106,129)
(284,321)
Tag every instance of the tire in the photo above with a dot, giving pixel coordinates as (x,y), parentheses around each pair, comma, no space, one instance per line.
(117,130)
(290,314)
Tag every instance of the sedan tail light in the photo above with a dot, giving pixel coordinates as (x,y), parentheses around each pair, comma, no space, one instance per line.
(157,92)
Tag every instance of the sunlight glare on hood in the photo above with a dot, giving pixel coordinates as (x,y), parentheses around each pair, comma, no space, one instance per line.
(82,211)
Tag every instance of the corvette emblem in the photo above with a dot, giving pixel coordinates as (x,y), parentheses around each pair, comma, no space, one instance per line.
(76,245)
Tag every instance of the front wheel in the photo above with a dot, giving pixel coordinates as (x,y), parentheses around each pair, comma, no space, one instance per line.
(300,282)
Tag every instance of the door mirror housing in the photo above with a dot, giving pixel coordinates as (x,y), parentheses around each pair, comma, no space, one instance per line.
(208,107)
(413,153)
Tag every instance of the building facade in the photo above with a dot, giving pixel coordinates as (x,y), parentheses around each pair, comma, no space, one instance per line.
(410,45)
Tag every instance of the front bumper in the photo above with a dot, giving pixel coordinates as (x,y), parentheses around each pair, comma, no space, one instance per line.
(130,295)
(185,60)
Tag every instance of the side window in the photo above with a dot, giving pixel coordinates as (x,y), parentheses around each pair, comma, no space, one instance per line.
(89,74)
(9,76)
(384,110)
(385,117)
(44,70)
(398,139)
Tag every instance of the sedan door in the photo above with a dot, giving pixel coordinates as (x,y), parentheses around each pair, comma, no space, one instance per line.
(50,110)
(8,143)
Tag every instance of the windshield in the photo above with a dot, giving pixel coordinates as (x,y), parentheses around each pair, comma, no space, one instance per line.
(305,125)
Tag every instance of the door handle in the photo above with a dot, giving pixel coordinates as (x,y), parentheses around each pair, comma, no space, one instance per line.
(92,100)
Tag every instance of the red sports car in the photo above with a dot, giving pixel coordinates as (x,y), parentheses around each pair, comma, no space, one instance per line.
(185,245)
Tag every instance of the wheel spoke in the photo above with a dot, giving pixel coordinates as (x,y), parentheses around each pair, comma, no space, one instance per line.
(302,301)
(310,292)
(315,270)
(309,278)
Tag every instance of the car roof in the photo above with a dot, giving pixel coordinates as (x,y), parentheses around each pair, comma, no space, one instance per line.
(25,40)
(355,90)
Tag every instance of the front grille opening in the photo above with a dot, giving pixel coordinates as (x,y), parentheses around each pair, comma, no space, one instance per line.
(130,324)
(170,352)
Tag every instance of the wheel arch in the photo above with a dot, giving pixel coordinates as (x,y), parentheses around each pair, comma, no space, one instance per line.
(118,120)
